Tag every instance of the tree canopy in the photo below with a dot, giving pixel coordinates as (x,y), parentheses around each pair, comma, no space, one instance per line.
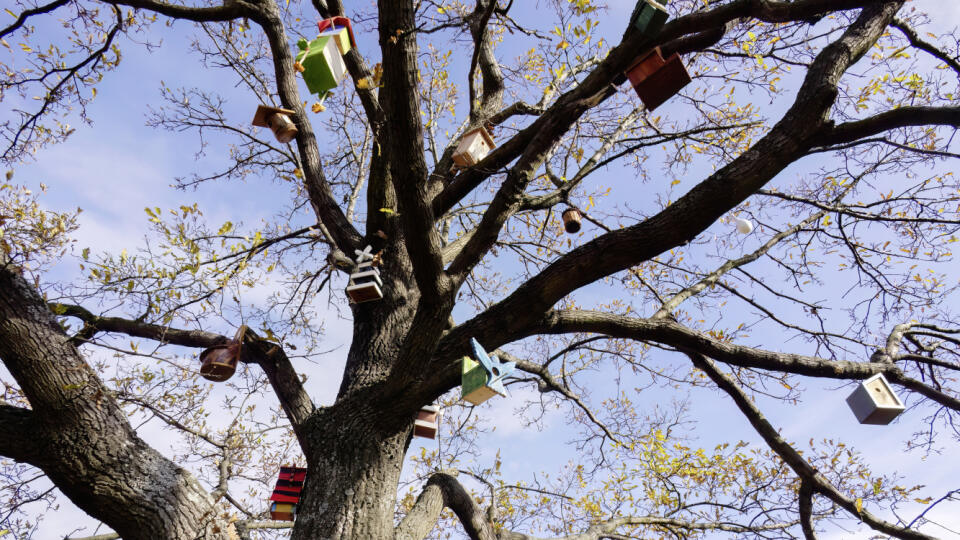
(759,205)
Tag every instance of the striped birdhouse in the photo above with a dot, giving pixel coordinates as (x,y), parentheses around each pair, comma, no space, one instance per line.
(365,284)
(483,379)
(286,494)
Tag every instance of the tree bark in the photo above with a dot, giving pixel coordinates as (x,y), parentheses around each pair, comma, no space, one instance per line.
(89,450)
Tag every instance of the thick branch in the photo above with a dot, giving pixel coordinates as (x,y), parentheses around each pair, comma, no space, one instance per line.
(22,440)
(444,490)
(885,121)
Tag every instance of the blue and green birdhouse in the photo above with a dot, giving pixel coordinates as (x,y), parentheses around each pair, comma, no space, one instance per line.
(649,17)
(321,63)
(481,381)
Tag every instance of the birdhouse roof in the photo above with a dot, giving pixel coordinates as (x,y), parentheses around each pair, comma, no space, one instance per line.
(263,111)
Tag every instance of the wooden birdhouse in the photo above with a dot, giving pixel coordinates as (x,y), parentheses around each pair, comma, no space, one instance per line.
(473,147)
(322,64)
(648,17)
(278,120)
(873,402)
(365,284)
(218,363)
(427,422)
(481,381)
(286,494)
(340,29)
(571,220)
(656,80)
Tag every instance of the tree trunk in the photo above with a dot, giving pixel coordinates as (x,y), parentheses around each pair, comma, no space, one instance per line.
(89,450)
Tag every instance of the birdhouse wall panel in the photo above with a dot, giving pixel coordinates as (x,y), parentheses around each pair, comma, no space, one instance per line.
(427,416)
(283,511)
(425,429)
(474,146)
(323,66)
(341,38)
(478,395)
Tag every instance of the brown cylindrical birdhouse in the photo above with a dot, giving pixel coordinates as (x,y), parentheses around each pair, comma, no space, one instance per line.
(571,220)
(278,120)
(218,363)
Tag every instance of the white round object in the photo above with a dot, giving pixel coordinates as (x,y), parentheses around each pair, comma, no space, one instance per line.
(744,226)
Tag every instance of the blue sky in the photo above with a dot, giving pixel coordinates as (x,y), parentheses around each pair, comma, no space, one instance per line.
(118,166)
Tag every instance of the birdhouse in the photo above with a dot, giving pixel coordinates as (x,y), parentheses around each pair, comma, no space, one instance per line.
(873,402)
(571,220)
(648,17)
(286,494)
(481,381)
(473,147)
(426,424)
(322,63)
(656,80)
(278,120)
(218,363)
(744,226)
(340,29)
(365,284)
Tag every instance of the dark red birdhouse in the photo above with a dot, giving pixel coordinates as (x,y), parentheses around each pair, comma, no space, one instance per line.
(656,80)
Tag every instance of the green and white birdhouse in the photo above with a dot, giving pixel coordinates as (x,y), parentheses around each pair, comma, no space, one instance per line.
(322,64)
(482,380)
(649,17)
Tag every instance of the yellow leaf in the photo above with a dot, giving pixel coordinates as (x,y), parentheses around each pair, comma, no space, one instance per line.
(318,108)
(859,505)
(923,501)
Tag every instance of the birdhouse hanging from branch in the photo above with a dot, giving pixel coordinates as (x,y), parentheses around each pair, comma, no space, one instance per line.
(571,220)
(341,30)
(427,422)
(649,17)
(656,80)
(218,363)
(873,402)
(474,146)
(321,64)
(365,284)
(481,381)
(286,494)
(278,120)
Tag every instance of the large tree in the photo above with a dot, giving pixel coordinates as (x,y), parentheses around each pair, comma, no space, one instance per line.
(848,263)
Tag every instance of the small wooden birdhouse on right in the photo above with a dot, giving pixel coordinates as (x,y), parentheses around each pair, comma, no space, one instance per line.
(649,17)
(427,422)
(656,80)
(278,120)
(481,381)
(365,284)
(286,494)
(873,402)
(474,146)
(322,64)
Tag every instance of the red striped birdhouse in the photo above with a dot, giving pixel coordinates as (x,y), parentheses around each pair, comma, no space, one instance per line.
(286,494)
